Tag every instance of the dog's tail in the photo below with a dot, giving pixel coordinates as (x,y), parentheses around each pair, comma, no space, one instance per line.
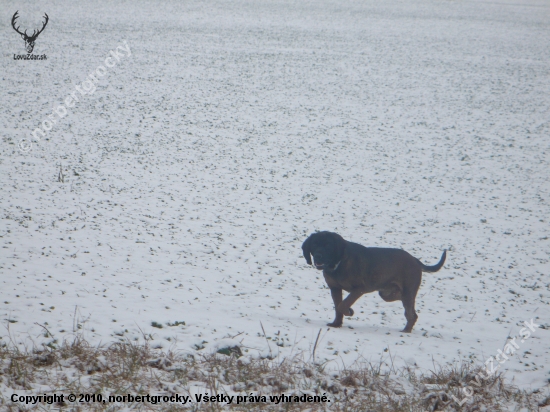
(434,268)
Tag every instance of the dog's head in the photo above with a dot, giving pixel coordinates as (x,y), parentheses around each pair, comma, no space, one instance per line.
(327,249)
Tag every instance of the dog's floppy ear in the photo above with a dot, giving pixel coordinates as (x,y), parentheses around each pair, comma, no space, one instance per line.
(340,245)
(306,248)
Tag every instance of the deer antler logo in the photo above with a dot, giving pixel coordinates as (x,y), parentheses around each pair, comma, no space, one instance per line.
(29,40)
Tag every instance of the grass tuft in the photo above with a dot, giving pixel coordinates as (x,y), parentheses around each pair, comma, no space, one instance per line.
(138,369)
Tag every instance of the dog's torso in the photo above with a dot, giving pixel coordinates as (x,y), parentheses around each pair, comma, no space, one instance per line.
(369,269)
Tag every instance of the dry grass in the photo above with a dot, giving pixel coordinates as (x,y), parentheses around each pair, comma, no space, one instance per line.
(137,369)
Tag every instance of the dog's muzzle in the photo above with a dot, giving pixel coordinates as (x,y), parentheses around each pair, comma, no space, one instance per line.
(322,266)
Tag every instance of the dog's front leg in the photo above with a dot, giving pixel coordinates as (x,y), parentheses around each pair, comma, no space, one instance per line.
(345,306)
(337,299)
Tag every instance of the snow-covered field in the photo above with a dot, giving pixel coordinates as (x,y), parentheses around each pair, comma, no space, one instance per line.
(234,129)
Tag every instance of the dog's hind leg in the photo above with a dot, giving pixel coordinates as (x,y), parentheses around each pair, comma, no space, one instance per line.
(408,299)
(391,293)
(408,296)
(410,314)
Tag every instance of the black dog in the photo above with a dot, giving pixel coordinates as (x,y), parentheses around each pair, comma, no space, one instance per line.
(394,273)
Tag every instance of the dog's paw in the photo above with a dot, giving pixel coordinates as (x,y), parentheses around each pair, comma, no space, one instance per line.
(345,311)
(335,324)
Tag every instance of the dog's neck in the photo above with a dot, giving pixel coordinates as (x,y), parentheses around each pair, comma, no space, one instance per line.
(335,267)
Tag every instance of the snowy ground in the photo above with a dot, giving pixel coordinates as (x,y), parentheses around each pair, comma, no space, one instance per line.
(234,130)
